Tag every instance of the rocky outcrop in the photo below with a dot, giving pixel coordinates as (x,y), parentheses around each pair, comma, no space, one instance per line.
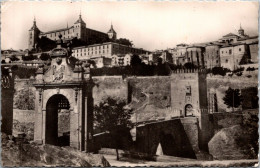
(16,152)
(231,143)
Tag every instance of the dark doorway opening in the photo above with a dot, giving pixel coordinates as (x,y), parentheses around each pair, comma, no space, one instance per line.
(168,143)
(57,121)
(189,110)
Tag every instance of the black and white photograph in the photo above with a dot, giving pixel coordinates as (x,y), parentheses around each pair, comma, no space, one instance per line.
(129,83)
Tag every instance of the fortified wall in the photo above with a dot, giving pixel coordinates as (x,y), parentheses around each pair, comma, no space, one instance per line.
(183,94)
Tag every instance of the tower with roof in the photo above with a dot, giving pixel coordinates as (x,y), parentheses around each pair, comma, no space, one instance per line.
(79,28)
(111,33)
(241,31)
(33,36)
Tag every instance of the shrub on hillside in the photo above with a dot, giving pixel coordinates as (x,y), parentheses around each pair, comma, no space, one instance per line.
(250,124)
(239,73)
(45,56)
(25,72)
(25,99)
(250,98)
(29,58)
(190,65)
(239,70)
(220,71)
(250,69)
(14,58)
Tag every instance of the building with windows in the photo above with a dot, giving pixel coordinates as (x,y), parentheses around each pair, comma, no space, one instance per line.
(181,55)
(212,55)
(233,38)
(165,55)
(121,59)
(234,55)
(77,30)
(253,48)
(101,62)
(231,51)
(105,49)
(195,55)
(10,53)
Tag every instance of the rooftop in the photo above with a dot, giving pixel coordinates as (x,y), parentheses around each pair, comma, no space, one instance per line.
(230,34)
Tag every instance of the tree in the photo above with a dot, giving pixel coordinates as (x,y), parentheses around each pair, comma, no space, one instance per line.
(162,68)
(45,44)
(220,71)
(111,115)
(30,57)
(45,56)
(124,41)
(94,39)
(250,69)
(136,64)
(189,65)
(250,98)
(14,58)
(232,98)
(135,60)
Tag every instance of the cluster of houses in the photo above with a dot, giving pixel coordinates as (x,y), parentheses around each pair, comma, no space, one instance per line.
(231,51)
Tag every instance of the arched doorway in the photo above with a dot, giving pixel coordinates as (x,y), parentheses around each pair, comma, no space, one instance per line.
(168,144)
(189,110)
(57,124)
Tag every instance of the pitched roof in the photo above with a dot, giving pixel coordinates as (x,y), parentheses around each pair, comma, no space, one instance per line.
(230,34)
(111,30)
(79,20)
(56,31)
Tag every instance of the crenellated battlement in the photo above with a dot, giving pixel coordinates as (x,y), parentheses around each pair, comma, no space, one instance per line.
(179,71)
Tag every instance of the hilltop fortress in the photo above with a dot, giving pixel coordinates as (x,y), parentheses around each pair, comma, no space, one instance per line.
(78,30)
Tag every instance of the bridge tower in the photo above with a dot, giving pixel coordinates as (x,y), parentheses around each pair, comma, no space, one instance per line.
(189,99)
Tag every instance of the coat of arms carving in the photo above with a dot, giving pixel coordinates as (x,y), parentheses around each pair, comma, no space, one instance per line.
(58,72)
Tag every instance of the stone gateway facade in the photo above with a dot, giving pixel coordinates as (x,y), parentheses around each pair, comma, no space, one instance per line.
(64,86)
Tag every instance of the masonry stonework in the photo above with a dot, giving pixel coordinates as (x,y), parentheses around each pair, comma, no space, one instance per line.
(64,87)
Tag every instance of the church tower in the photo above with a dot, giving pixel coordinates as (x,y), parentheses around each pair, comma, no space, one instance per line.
(111,33)
(33,35)
(241,31)
(79,29)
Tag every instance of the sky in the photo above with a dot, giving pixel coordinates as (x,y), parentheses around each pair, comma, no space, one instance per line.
(149,24)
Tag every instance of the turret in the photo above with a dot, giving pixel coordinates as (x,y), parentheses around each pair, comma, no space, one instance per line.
(80,29)
(111,33)
(33,36)
(241,31)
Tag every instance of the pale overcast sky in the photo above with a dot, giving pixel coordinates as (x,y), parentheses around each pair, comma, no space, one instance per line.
(150,25)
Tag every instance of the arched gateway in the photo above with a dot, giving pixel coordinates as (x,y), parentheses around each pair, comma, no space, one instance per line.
(64,87)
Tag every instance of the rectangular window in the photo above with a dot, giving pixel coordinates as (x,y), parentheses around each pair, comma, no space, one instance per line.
(239,49)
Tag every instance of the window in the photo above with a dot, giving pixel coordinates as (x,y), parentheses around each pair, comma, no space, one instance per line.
(222,52)
(188,90)
(216,61)
(230,51)
(226,60)
(239,49)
